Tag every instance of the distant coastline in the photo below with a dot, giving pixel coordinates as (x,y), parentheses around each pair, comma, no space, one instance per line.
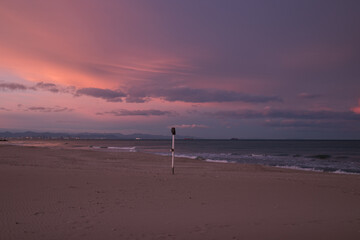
(86,135)
(34,135)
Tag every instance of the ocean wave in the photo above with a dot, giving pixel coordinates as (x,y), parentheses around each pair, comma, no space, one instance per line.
(318,162)
(319,169)
(185,156)
(217,161)
(348,172)
(320,156)
(125,149)
(298,168)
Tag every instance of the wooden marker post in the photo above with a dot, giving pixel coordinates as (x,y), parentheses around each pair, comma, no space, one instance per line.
(173,150)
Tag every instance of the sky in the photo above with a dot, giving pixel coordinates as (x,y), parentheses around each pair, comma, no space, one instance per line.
(269,69)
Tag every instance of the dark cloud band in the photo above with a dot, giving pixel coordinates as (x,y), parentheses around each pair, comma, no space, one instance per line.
(55,109)
(107,94)
(124,112)
(143,94)
(12,86)
(287,114)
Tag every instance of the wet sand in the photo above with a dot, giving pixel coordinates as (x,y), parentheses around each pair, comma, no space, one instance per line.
(63,193)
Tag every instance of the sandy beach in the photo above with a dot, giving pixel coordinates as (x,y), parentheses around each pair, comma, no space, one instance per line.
(65,193)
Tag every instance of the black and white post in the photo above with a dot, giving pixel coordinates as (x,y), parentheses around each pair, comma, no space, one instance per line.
(173,149)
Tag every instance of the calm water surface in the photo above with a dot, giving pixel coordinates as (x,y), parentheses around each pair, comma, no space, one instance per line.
(330,156)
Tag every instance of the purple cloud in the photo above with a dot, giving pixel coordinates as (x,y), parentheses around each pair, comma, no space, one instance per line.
(12,86)
(142,94)
(107,94)
(38,86)
(55,109)
(301,124)
(190,126)
(308,124)
(287,114)
(124,112)
(47,86)
(196,95)
(4,109)
(133,99)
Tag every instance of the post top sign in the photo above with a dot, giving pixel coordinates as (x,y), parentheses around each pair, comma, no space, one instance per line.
(173,131)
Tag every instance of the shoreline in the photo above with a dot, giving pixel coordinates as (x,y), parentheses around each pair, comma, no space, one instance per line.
(74,144)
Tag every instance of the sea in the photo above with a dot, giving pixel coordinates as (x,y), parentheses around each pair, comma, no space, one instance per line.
(338,156)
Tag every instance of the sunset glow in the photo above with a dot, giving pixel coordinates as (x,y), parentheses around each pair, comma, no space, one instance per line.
(215,70)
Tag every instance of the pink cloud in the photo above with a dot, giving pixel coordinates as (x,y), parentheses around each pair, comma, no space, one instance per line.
(356,109)
(191,126)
